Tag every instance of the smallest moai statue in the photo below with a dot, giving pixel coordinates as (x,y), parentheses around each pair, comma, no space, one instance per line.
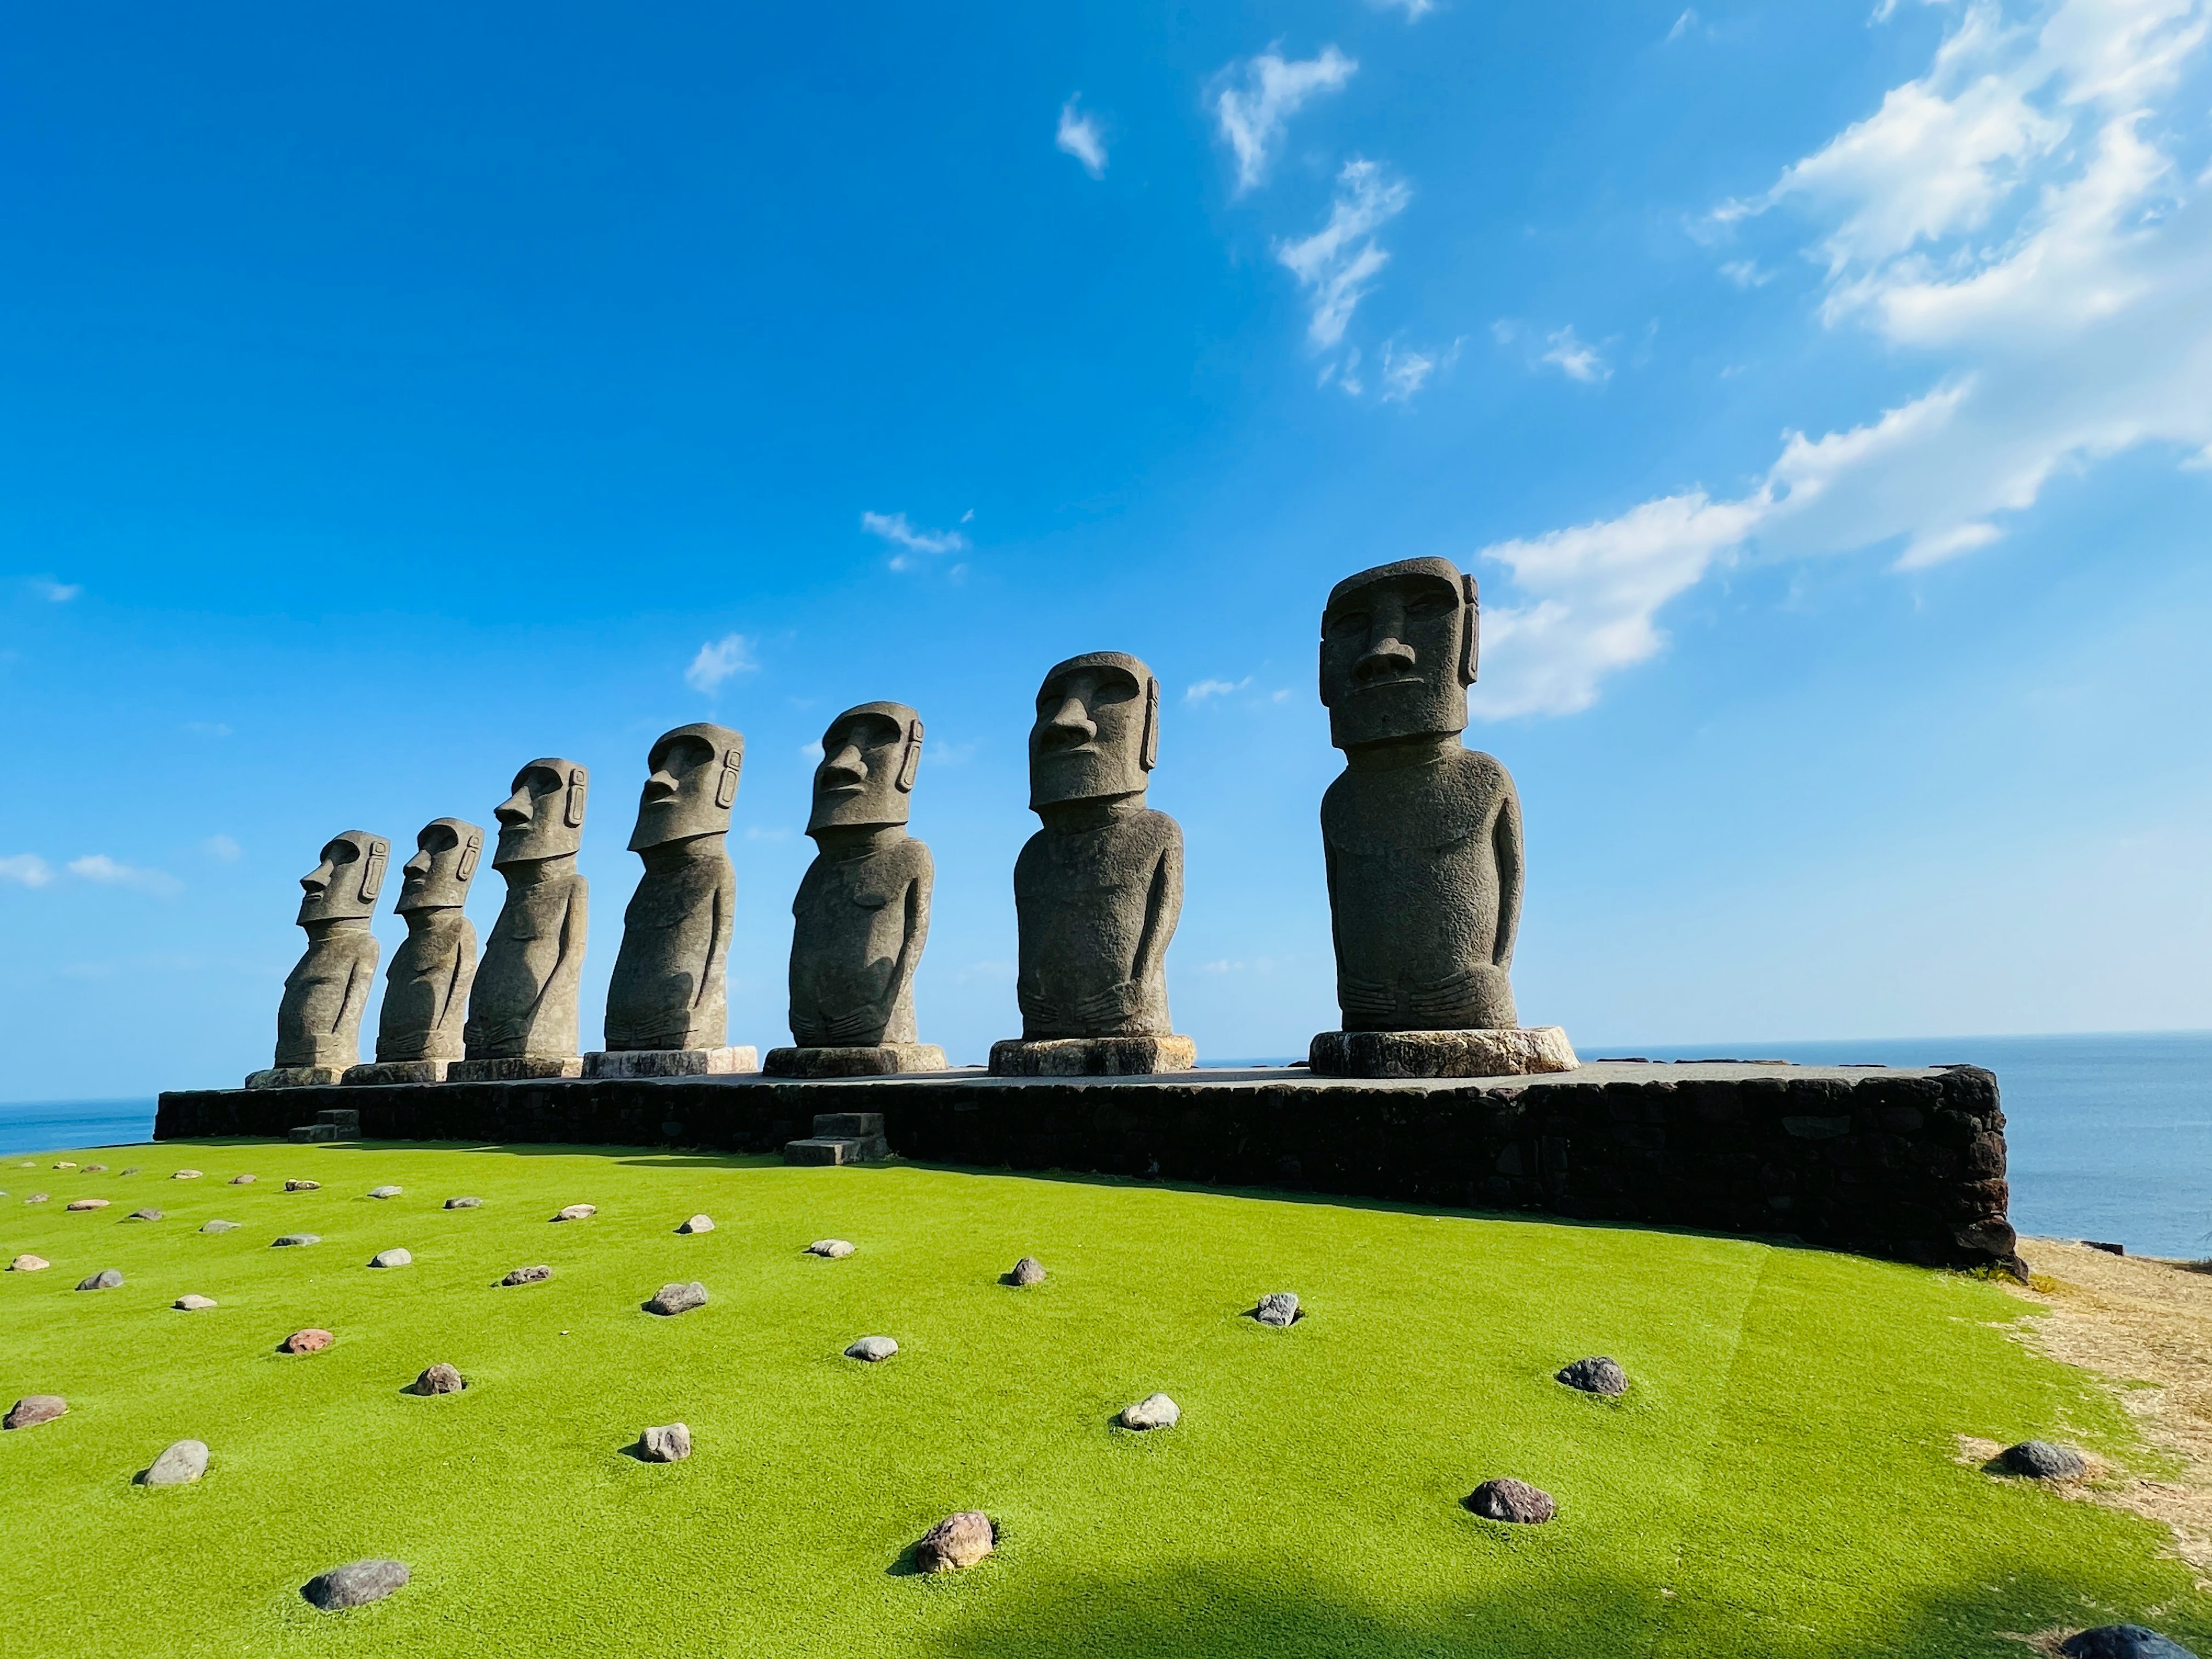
(426,990)
(318,1020)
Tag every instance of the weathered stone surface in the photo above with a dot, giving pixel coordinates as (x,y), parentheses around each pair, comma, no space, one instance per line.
(1511,1053)
(180,1464)
(34,1409)
(311,1340)
(440,1378)
(667,1443)
(839,1143)
(28,1263)
(522,1006)
(1512,1500)
(959,1541)
(677,1298)
(384,1192)
(106,1279)
(1141,1056)
(726,1062)
(2039,1460)
(144,1215)
(355,1584)
(1027,1272)
(286,1240)
(35,1198)
(1278,1309)
(1596,1375)
(872,1349)
(465,1204)
(832,1247)
(194,1304)
(882,1060)
(318,1020)
(2123,1642)
(536,1275)
(303,1186)
(243,1180)
(88,1204)
(395,1257)
(383,1073)
(303,1077)
(1154,1411)
(219,1226)
(426,991)
(516,1068)
(577,1212)
(698,1224)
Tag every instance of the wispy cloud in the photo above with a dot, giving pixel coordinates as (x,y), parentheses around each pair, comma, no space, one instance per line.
(1747,273)
(894,528)
(1079,135)
(718,659)
(1575,358)
(1206,688)
(223,848)
(26,869)
(99,867)
(206,729)
(1262,94)
(57,592)
(1338,264)
(1414,9)
(1683,24)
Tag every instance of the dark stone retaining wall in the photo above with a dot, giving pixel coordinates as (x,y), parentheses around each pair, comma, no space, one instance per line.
(1907,1164)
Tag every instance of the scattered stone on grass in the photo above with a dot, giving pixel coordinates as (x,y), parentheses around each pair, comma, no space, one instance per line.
(287,1239)
(64,1164)
(698,1224)
(133,1169)
(194,1304)
(185,1174)
(303,1185)
(577,1211)
(832,1247)
(106,1279)
(1154,1411)
(143,1215)
(1512,1500)
(384,1192)
(465,1204)
(2039,1460)
(2123,1642)
(28,1263)
(536,1275)
(243,1180)
(355,1584)
(36,1198)
(179,1465)
(219,1227)
(959,1541)
(440,1378)
(677,1298)
(871,1349)
(1027,1272)
(1596,1375)
(95,1168)
(311,1340)
(88,1204)
(669,1442)
(395,1257)
(1278,1309)
(34,1409)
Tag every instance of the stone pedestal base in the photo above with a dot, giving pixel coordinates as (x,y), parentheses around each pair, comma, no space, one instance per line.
(294,1077)
(884,1060)
(840,1138)
(670,1062)
(399,1071)
(1513,1051)
(519,1068)
(1116,1056)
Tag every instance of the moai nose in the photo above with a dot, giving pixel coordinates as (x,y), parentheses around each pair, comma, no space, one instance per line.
(1388,656)
(316,881)
(661,786)
(1071,727)
(417,865)
(845,766)
(515,808)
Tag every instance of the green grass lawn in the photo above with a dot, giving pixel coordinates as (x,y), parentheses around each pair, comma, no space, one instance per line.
(1782,1478)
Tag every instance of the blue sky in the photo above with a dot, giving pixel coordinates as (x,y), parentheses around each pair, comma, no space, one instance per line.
(1821,391)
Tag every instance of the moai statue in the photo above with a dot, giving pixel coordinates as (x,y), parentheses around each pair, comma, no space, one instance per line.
(522,1009)
(667,1010)
(862,913)
(426,990)
(318,1020)
(1097,892)
(1422,837)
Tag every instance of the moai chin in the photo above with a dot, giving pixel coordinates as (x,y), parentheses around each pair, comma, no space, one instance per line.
(667,1006)
(1422,837)
(522,1008)
(426,990)
(318,1020)
(861,915)
(1097,890)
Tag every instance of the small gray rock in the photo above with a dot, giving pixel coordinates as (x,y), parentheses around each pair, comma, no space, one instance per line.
(106,1279)
(2123,1642)
(220,1227)
(1512,1500)
(355,1584)
(34,1409)
(577,1211)
(1596,1375)
(1279,1310)
(2039,1460)
(36,1198)
(392,1258)
(1154,1411)
(180,1466)
(243,1180)
(438,1379)
(959,1541)
(698,1224)
(536,1275)
(384,1192)
(1027,1272)
(668,1444)
(194,1304)
(143,1215)
(832,1247)
(133,1169)
(465,1204)
(677,1298)
(296,1238)
(303,1185)
(871,1349)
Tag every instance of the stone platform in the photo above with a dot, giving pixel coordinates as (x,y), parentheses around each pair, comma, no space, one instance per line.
(1904,1164)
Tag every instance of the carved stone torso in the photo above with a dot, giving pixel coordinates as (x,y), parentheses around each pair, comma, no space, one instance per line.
(426,993)
(318,1020)
(1425,893)
(524,1002)
(667,991)
(1096,908)
(860,926)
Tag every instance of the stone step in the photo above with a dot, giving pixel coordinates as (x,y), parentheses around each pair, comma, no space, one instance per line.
(837,1149)
(858,1126)
(338,1123)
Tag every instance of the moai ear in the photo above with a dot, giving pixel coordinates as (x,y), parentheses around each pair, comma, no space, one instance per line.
(372,871)
(726,787)
(1149,756)
(910,761)
(578,780)
(470,848)
(1470,638)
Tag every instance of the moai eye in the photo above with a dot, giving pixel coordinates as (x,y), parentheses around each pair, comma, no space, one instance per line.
(1345,625)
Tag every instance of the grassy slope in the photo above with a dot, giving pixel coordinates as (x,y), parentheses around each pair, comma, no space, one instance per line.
(1779,1481)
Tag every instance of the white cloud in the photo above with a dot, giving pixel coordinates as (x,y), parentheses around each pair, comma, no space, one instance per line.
(1268,91)
(1414,9)
(222,848)
(2022,221)
(58,593)
(718,659)
(1747,273)
(99,867)
(1206,688)
(1079,136)
(1575,358)
(1338,264)
(1404,372)
(811,752)
(1683,24)
(26,869)
(894,528)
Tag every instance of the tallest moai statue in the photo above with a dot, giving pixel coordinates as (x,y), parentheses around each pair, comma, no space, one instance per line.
(1422,837)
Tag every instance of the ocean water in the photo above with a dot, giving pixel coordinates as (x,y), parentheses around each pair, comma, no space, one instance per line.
(2111,1137)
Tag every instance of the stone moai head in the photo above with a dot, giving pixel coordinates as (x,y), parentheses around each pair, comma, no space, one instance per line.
(344,886)
(1398,647)
(543,818)
(437,876)
(1098,731)
(869,757)
(692,782)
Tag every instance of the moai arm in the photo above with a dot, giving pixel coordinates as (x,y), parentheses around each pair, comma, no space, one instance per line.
(462,977)
(914,935)
(1163,909)
(1506,840)
(709,987)
(560,984)
(361,973)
